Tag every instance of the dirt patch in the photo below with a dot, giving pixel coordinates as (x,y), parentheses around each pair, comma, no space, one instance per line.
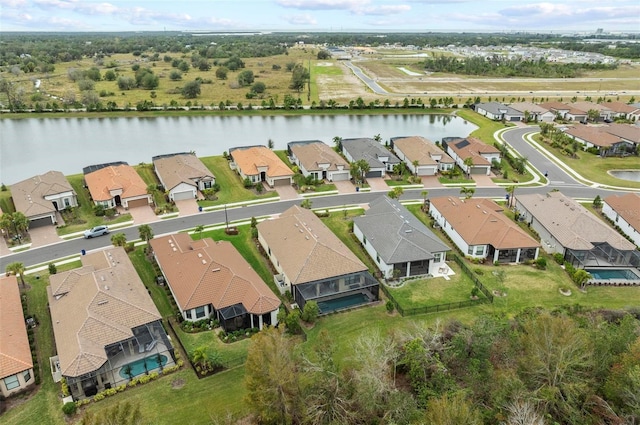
(324,64)
(341,88)
(176,384)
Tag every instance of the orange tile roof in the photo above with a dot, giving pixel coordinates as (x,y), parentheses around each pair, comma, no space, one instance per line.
(481,222)
(307,249)
(250,158)
(473,150)
(28,195)
(94,306)
(620,107)
(208,272)
(627,206)
(15,354)
(597,136)
(123,177)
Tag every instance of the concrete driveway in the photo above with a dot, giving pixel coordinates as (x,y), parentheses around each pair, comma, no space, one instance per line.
(286,192)
(187,207)
(377,184)
(431,181)
(483,181)
(44,235)
(345,186)
(142,215)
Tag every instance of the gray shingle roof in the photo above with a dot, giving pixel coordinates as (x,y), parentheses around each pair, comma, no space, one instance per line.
(396,234)
(369,150)
(497,108)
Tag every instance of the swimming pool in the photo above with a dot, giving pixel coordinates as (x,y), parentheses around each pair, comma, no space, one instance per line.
(610,274)
(343,302)
(138,367)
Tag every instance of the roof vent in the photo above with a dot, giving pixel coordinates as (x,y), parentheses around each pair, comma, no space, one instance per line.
(103,302)
(306,237)
(106,288)
(216,269)
(199,255)
(204,261)
(408,231)
(102,278)
(300,230)
(174,249)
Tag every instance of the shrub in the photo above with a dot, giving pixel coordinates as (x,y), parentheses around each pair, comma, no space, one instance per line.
(52,268)
(390,307)
(558,257)
(541,263)
(475,291)
(64,387)
(310,312)
(97,397)
(247,183)
(69,408)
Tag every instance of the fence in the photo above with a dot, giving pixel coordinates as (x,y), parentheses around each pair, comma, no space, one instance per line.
(447,306)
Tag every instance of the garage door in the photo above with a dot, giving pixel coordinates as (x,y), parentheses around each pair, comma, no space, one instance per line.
(374,174)
(181,196)
(282,182)
(340,177)
(426,171)
(40,222)
(478,170)
(138,203)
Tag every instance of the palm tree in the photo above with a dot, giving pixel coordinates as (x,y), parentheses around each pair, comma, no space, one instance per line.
(145,232)
(467,192)
(395,193)
(415,164)
(17,268)
(511,190)
(119,239)
(337,141)
(377,138)
(199,229)
(468,162)
(581,277)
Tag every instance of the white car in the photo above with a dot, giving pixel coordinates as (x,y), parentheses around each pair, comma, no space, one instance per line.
(96,231)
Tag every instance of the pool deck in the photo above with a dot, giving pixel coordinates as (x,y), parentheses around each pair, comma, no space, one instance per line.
(123,360)
(614,281)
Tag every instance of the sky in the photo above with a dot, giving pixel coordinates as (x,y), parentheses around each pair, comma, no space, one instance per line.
(560,16)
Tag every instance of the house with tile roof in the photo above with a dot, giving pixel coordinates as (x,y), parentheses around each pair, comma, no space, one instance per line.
(480,230)
(182,175)
(210,278)
(313,264)
(117,185)
(16,365)
(399,244)
(628,132)
(497,111)
(624,212)
(422,156)
(604,112)
(568,228)
(599,137)
(535,112)
(260,164)
(565,111)
(317,159)
(106,327)
(623,110)
(378,157)
(481,154)
(40,197)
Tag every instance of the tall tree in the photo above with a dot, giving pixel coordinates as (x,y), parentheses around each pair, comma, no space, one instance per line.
(119,239)
(299,77)
(337,141)
(272,378)
(145,232)
(452,410)
(395,193)
(17,268)
(467,192)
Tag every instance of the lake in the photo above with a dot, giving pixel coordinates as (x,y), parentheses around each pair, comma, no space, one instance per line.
(36,145)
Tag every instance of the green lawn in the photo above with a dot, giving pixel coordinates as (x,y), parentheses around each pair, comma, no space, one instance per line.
(433,291)
(148,276)
(486,127)
(231,188)
(6,203)
(146,172)
(595,168)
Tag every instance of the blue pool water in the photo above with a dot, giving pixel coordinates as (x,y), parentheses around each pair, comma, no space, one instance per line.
(344,302)
(620,274)
(137,367)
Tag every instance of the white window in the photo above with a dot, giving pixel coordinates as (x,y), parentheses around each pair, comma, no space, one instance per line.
(470,250)
(200,312)
(437,257)
(26,375)
(479,250)
(187,314)
(67,204)
(11,382)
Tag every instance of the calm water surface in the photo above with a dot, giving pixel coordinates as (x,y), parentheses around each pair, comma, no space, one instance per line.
(34,146)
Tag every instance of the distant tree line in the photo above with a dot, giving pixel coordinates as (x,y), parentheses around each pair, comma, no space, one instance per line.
(497,66)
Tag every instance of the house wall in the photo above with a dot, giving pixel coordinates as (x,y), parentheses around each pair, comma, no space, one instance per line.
(62,199)
(205,182)
(478,251)
(182,187)
(625,227)
(274,261)
(22,382)
(386,269)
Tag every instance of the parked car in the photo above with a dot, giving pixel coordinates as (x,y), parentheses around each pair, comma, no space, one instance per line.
(96,231)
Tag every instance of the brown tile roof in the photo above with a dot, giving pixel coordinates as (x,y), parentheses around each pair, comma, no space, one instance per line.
(15,354)
(624,131)
(473,149)
(250,158)
(529,107)
(182,168)
(312,154)
(627,206)
(597,136)
(420,149)
(587,106)
(559,106)
(95,306)
(620,107)
(209,272)
(28,195)
(482,222)
(307,249)
(571,223)
(124,177)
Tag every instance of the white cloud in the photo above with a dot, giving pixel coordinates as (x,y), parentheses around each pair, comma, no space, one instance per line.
(304,19)
(323,4)
(383,10)
(13,4)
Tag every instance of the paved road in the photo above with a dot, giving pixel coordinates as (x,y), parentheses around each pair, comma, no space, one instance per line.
(67,248)
(368,81)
